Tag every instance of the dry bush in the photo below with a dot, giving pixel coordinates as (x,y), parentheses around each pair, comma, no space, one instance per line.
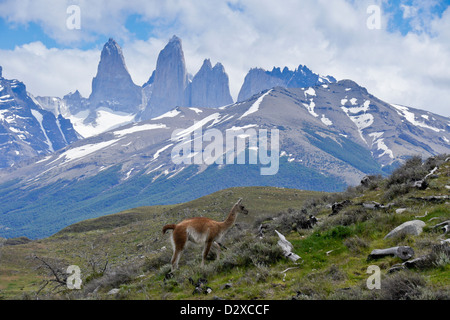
(404,285)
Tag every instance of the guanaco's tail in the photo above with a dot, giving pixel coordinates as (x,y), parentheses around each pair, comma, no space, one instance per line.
(167,227)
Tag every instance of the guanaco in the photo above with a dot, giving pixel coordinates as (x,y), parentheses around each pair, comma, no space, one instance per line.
(202,231)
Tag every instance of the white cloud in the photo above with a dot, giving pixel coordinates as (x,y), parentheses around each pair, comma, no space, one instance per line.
(330,37)
(50,72)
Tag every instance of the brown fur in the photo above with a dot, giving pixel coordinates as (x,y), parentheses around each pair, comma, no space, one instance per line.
(201,230)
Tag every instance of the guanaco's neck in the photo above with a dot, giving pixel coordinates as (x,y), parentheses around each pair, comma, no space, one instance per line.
(231,218)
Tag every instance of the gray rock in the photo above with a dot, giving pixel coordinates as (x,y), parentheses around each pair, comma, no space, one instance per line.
(258,80)
(113,291)
(170,85)
(113,87)
(209,87)
(169,82)
(413,227)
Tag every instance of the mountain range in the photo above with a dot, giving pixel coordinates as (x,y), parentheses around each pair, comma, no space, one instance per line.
(73,158)
(116,100)
(26,129)
(330,136)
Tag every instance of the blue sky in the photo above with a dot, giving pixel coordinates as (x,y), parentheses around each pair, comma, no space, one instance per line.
(420,17)
(406,61)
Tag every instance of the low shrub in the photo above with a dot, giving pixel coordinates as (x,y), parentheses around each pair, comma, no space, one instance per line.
(405,285)
(411,171)
(355,244)
(113,278)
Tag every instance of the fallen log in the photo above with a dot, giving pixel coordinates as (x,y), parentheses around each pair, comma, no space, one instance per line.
(420,184)
(287,247)
(420,262)
(338,206)
(444,226)
(372,205)
(402,252)
(431,198)
(425,261)
(423,184)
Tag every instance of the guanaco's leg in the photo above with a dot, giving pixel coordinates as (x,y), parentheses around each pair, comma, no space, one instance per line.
(179,238)
(218,248)
(208,244)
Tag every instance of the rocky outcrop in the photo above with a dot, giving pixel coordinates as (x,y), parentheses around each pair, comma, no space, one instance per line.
(413,227)
(171,86)
(209,87)
(75,102)
(258,80)
(169,81)
(113,87)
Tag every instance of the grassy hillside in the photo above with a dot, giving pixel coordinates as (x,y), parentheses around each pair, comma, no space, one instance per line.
(129,236)
(126,251)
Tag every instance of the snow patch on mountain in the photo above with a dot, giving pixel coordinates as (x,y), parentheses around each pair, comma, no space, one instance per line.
(157,153)
(106,120)
(255,106)
(326,121)
(83,151)
(169,114)
(137,128)
(196,110)
(215,117)
(310,92)
(411,117)
(378,141)
(235,128)
(362,121)
(39,117)
(311,107)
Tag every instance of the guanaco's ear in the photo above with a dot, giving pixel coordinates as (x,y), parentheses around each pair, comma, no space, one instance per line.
(239,201)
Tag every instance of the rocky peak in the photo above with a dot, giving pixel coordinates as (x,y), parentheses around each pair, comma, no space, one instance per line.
(219,68)
(258,80)
(210,87)
(350,84)
(112,57)
(170,80)
(206,65)
(112,86)
(28,130)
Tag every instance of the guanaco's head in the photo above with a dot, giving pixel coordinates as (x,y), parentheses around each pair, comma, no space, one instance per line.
(240,207)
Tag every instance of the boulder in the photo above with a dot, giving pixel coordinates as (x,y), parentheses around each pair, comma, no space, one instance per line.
(413,227)
(113,291)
